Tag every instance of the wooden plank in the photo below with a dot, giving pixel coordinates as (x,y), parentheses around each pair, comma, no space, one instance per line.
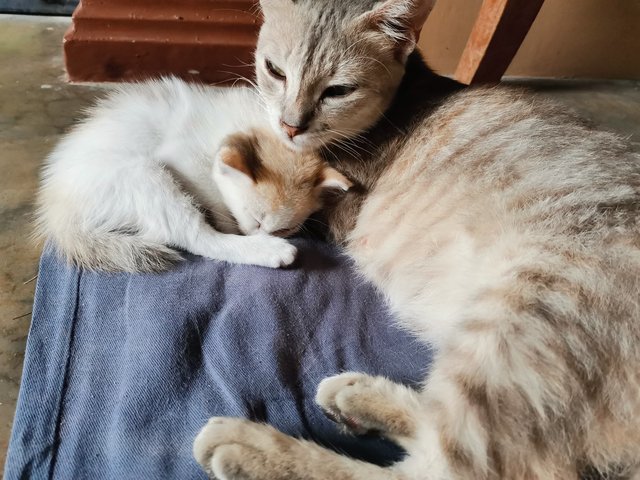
(496,36)
(209,41)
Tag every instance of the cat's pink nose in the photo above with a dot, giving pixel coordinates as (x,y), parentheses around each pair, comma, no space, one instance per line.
(291,130)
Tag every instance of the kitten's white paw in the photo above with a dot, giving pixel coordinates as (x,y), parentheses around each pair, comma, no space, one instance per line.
(273,252)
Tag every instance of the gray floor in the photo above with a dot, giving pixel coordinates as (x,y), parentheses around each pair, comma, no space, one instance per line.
(37,106)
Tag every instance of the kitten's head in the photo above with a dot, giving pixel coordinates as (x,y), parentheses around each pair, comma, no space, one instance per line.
(270,188)
(328,69)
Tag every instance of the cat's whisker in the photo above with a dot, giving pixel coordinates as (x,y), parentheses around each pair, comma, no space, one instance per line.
(383,115)
(237,10)
(241,64)
(242,78)
(351,47)
(357,134)
(380,63)
(314,220)
(345,149)
(347,144)
(326,147)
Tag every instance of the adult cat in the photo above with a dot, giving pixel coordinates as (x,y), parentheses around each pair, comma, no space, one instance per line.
(502,230)
(153,160)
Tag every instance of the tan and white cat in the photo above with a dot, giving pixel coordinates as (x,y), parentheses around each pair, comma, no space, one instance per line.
(502,230)
(154,159)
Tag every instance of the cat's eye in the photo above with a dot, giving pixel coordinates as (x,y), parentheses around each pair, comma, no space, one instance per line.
(335,91)
(275,71)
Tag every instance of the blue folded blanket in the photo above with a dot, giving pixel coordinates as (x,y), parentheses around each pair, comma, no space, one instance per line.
(121,371)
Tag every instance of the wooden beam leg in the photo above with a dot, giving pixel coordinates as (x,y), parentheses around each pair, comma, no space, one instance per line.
(496,36)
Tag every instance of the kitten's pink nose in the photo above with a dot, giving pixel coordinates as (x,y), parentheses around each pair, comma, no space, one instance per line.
(291,130)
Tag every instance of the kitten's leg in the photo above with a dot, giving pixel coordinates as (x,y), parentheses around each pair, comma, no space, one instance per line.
(170,217)
(361,404)
(237,449)
(263,250)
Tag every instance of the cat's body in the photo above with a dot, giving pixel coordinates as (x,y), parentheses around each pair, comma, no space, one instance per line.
(502,231)
(153,160)
(508,236)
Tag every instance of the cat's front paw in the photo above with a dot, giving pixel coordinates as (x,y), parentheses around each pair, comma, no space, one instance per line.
(273,252)
(361,404)
(238,449)
(235,448)
(226,446)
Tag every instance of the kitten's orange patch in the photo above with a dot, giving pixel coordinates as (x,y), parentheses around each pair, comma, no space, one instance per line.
(235,159)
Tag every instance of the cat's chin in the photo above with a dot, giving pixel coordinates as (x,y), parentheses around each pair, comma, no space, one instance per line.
(308,142)
(301,143)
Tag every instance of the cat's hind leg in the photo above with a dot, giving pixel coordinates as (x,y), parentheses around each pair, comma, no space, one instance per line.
(362,404)
(238,449)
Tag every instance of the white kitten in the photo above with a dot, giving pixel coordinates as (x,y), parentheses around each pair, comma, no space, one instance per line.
(137,177)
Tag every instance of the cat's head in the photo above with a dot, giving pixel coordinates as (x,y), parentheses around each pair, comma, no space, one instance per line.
(270,188)
(328,69)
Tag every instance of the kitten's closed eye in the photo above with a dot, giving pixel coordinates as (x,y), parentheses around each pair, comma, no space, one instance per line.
(338,91)
(275,71)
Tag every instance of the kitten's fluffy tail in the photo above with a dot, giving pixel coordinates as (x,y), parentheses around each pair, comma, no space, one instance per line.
(102,249)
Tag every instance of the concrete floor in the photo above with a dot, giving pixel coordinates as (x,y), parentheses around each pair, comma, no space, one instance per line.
(37,106)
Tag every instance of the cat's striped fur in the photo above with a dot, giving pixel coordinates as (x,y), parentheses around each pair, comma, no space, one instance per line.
(503,231)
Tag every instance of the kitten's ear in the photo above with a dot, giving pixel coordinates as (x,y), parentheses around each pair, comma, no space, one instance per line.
(237,157)
(330,178)
(400,20)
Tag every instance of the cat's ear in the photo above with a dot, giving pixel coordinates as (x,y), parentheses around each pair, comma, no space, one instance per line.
(237,157)
(331,179)
(400,20)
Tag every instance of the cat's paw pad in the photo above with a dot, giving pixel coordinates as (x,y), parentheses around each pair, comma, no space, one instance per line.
(363,404)
(230,448)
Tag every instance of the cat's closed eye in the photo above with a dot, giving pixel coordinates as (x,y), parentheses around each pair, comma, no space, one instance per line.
(275,72)
(338,91)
